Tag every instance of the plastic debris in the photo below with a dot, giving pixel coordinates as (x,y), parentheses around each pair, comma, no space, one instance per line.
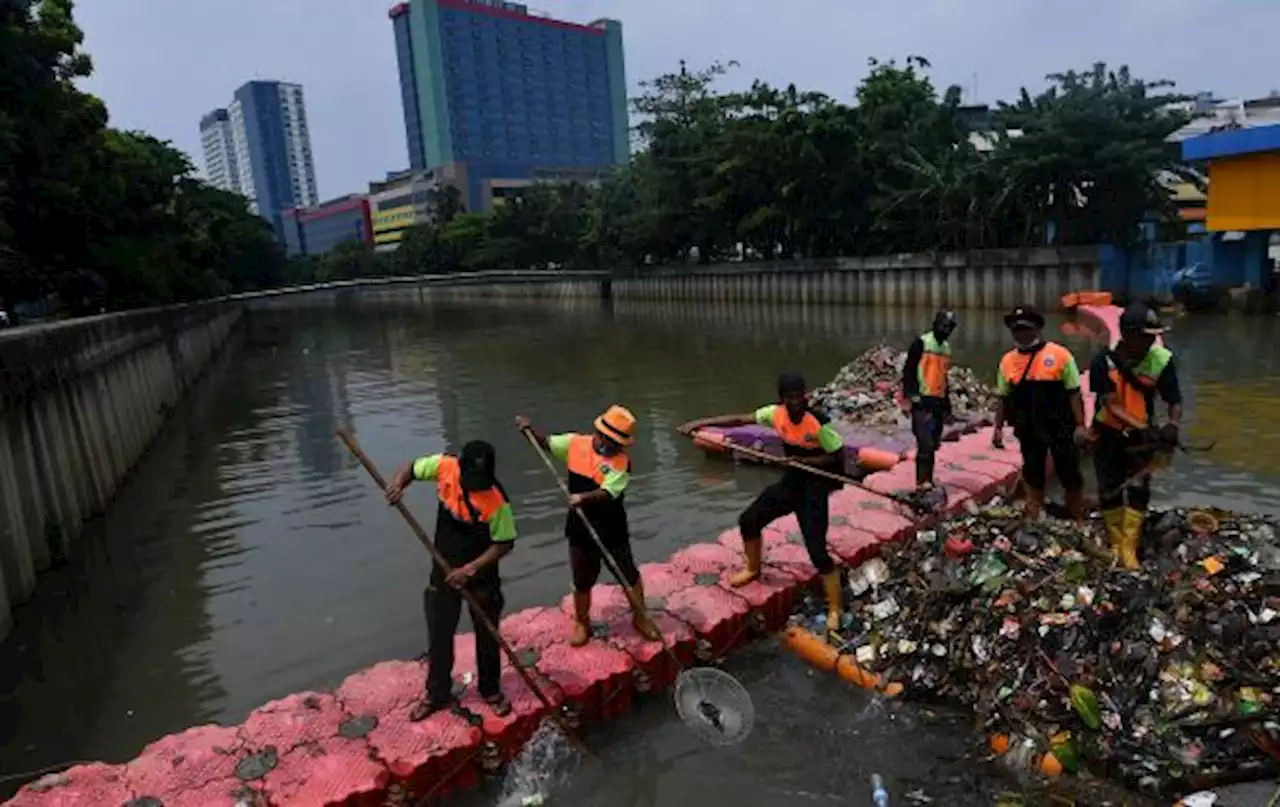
(866,391)
(1167,681)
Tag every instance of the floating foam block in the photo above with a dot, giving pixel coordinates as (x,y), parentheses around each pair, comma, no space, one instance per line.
(336,772)
(433,757)
(536,628)
(80,786)
(596,678)
(848,544)
(434,754)
(306,717)
(771,595)
(219,793)
(875,514)
(718,616)
(184,762)
(504,736)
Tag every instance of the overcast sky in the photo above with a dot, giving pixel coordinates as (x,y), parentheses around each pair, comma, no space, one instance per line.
(161,64)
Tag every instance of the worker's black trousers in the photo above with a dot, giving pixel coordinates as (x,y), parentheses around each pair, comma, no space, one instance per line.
(443,606)
(585,560)
(927,419)
(807,498)
(1115,463)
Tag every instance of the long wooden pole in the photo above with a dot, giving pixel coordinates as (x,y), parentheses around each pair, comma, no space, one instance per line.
(802,466)
(477,611)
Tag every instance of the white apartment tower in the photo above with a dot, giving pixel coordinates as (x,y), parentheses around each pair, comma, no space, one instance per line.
(259,146)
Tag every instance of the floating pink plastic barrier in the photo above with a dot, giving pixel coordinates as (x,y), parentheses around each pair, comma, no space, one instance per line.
(596,678)
(81,786)
(185,762)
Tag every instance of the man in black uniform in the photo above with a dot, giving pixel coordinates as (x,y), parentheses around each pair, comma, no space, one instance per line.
(925,391)
(475,528)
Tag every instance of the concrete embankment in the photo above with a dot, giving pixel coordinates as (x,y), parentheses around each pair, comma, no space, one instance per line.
(990,279)
(80,401)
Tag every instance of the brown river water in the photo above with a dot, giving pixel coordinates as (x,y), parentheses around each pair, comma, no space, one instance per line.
(249,556)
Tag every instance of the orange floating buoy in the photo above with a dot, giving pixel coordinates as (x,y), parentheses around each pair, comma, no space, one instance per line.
(810,648)
(999,744)
(817,652)
(877,459)
(711,442)
(1070,300)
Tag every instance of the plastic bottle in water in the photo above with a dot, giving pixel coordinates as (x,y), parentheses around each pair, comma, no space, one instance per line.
(879,796)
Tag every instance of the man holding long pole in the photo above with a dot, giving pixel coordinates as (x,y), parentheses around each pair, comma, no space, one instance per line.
(808,439)
(475,528)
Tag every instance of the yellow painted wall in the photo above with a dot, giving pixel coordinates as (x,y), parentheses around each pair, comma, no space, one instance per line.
(1244,193)
(389,225)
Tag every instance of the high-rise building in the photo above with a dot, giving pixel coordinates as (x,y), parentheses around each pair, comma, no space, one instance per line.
(219,151)
(515,97)
(269,154)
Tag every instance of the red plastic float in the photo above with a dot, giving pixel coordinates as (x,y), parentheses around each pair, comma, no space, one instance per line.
(597,679)
(81,786)
(185,762)
(437,755)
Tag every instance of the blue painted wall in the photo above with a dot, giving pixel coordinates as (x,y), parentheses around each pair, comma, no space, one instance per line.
(1151,271)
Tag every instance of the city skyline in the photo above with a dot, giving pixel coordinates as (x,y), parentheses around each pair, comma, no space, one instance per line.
(346,57)
(259,146)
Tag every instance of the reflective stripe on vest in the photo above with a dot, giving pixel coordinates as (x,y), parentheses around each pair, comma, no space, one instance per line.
(1135,401)
(484,503)
(584,462)
(1050,362)
(933,367)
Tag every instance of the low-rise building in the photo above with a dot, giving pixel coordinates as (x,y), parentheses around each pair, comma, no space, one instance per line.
(316,230)
(406,198)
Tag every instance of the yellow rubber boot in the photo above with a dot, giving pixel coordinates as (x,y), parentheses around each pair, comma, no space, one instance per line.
(1035,503)
(1114,519)
(1133,520)
(835,599)
(752,550)
(581,619)
(640,616)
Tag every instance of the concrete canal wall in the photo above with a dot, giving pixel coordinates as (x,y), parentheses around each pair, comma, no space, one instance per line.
(991,279)
(80,401)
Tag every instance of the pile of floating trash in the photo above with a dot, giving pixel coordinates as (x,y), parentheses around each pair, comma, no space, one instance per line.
(1167,680)
(865,391)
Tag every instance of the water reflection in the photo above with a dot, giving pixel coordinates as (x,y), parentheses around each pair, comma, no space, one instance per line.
(250,556)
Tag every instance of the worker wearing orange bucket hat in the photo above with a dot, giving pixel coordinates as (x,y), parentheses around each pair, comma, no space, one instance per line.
(599,472)
(807,437)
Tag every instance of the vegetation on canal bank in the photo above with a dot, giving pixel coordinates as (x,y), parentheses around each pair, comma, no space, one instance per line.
(94,217)
(97,216)
(792,172)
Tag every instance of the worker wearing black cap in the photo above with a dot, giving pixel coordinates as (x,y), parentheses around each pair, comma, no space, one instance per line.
(1127,379)
(474,529)
(1039,387)
(925,393)
(807,438)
